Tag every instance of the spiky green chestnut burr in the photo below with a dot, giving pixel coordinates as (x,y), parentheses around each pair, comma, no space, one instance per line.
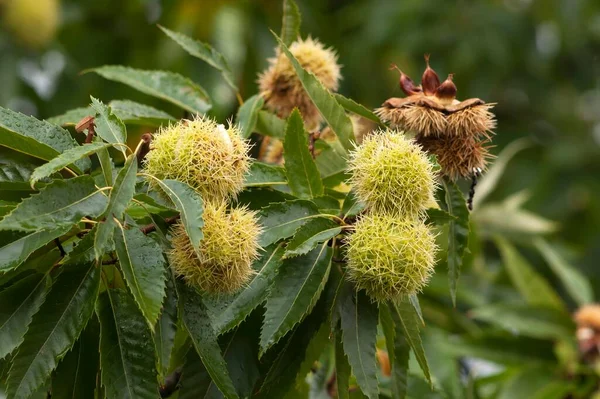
(229,246)
(391,174)
(389,257)
(202,153)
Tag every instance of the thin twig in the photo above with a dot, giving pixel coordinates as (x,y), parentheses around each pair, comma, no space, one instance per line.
(312,137)
(144,148)
(60,247)
(147,229)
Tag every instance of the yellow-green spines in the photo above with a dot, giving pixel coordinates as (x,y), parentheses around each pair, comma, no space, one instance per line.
(202,153)
(32,22)
(391,174)
(390,257)
(227,251)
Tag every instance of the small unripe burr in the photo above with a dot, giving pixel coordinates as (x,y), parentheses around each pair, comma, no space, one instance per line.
(227,251)
(446,92)
(389,257)
(430,80)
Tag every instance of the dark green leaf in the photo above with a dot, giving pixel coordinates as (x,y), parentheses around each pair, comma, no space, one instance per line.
(358,109)
(290,24)
(294,293)
(168,86)
(458,233)
(262,174)
(332,112)
(269,124)
(533,287)
(300,167)
(37,138)
(315,348)
(231,311)
(76,374)
(190,206)
(526,320)
(409,321)
(352,205)
(55,327)
(281,220)
(197,322)
(18,304)
(342,368)
(15,170)
(128,111)
(399,351)
(143,266)
(248,114)
(576,284)
(61,203)
(535,383)
(126,348)
(311,234)
(359,328)
(204,52)
(16,251)
(439,217)
(165,329)
(120,196)
(65,159)
(108,126)
(195,380)
(107,167)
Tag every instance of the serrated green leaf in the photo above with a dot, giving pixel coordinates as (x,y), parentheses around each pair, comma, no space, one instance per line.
(533,287)
(15,170)
(55,327)
(126,348)
(269,124)
(248,114)
(329,108)
(76,374)
(414,301)
(61,203)
(190,206)
(315,348)
(342,368)
(16,251)
(352,206)
(311,234)
(195,380)
(143,266)
(37,138)
(281,220)
(398,351)
(165,329)
(203,51)
(18,304)
(65,159)
(262,174)
(108,126)
(535,322)
(409,321)
(439,217)
(359,328)
(294,293)
(576,284)
(300,168)
(168,86)
(130,112)
(232,310)
(120,196)
(358,109)
(458,233)
(197,322)
(291,21)
(107,167)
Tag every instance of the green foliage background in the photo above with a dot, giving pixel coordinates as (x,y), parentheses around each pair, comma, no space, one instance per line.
(539,60)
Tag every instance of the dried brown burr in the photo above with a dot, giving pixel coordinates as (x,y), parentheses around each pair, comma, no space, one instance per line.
(457,132)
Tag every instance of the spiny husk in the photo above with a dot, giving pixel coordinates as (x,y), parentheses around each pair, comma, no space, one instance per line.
(207,156)
(391,174)
(588,316)
(281,87)
(390,258)
(471,121)
(33,22)
(457,156)
(227,251)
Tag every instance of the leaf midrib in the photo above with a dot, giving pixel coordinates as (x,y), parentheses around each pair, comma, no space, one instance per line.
(125,373)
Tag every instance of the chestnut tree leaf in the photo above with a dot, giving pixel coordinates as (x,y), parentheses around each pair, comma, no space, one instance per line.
(291,21)
(166,328)
(356,108)
(248,114)
(282,219)
(311,234)
(168,86)
(300,168)
(108,126)
(269,124)
(262,174)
